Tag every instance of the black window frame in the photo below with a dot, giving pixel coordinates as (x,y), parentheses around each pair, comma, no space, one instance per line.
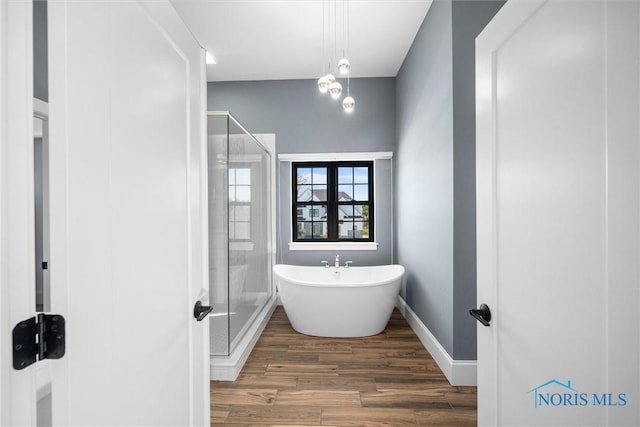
(332,201)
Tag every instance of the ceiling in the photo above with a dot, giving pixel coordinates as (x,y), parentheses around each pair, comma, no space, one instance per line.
(283,39)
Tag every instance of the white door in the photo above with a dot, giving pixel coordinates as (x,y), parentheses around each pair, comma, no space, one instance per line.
(17,236)
(127,218)
(558,201)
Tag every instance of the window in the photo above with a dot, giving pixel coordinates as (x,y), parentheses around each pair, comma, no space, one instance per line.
(332,202)
(240,203)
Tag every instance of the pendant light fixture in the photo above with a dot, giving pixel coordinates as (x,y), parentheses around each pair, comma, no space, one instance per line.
(344,66)
(348,104)
(328,83)
(335,89)
(323,84)
(330,77)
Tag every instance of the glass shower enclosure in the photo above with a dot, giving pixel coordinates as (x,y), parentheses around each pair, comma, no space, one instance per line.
(240,258)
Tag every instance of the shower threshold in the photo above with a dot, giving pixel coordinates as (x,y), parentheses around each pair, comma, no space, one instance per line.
(228,367)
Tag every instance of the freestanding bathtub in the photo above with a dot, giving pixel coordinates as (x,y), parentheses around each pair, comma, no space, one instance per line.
(338,302)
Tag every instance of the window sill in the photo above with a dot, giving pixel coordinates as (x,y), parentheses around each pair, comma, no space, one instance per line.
(333,246)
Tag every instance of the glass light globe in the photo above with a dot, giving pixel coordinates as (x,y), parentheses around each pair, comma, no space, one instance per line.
(348,104)
(323,84)
(331,78)
(344,66)
(335,89)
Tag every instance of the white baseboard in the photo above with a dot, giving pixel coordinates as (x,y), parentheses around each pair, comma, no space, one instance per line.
(227,368)
(458,372)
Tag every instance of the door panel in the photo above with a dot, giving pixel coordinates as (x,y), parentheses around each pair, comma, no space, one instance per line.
(558,199)
(127,122)
(17,236)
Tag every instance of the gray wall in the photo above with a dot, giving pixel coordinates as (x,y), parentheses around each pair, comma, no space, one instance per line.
(435,171)
(469,19)
(306,121)
(424,171)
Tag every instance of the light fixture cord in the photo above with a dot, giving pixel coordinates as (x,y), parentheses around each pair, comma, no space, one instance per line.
(349,71)
(328,57)
(324,65)
(344,38)
(335,32)
(348,26)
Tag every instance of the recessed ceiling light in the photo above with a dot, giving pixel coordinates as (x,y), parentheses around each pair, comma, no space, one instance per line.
(211,60)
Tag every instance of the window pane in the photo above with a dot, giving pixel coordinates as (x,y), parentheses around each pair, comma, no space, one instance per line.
(304,212)
(353,230)
(242,213)
(361,212)
(304,230)
(361,229)
(345,175)
(345,193)
(243,176)
(243,230)
(243,193)
(345,230)
(345,211)
(319,230)
(320,193)
(304,176)
(312,212)
(318,212)
(232,233)
(319,176)
(361,175)
(232,193)
(232,176)
(304,193)
(361,192)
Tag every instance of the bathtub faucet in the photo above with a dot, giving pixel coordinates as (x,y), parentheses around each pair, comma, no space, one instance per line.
(325,263)
(337,263)
(347,263)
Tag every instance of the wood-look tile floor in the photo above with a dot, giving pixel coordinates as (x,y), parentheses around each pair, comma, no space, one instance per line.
(388,379)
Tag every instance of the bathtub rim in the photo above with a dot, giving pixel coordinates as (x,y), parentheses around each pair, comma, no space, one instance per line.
(326,284)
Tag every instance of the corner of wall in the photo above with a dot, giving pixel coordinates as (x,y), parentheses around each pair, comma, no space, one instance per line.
(458,372)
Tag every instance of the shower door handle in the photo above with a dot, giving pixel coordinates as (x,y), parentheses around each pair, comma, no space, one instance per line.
(201,311)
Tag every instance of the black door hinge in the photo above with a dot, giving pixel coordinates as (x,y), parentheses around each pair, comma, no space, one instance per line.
(38,338)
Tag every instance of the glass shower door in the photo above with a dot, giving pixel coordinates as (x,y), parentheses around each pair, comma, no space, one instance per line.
(239,227)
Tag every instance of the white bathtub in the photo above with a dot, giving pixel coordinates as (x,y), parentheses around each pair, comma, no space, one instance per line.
(343,302)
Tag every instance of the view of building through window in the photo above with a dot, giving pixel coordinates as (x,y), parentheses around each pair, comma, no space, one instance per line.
(333,201)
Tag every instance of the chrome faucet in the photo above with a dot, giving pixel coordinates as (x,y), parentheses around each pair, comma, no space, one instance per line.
(337,263)
(347,263)
(325,263)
